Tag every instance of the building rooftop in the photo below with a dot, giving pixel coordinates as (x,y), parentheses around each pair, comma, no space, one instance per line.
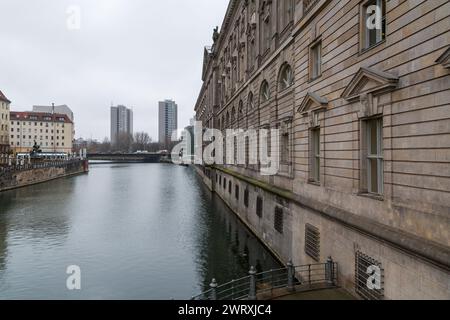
(39,116)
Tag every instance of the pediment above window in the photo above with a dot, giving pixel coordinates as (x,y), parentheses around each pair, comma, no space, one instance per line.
(369,82)
(444,59)
(313,103)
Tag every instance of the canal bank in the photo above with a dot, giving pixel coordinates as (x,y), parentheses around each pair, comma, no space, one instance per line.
(307,231)
(27,175)
(206,175)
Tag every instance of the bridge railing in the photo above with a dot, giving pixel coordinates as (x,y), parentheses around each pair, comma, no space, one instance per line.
(265,283)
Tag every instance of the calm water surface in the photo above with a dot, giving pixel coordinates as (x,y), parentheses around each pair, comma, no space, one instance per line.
(138,231)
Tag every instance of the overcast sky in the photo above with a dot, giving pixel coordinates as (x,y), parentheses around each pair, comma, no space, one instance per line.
(131,52)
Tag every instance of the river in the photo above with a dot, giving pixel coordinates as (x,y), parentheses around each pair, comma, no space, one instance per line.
(136,231)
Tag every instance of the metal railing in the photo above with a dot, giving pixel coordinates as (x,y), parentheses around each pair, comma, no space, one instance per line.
(39,165)
(265,283)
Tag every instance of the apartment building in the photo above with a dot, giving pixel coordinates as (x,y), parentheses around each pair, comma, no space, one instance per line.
(53,132)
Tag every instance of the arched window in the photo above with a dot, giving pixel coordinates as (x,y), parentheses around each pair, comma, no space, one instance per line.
(233,115)
(241,109)
(250,103)
(265,92)
(228,119)
(286,77)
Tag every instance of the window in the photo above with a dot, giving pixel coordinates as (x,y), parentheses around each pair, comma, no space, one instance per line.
(236,192)
(250,102)
(367,267)
(229,187)
(315,155)
(259,207)
(286,10)
(373,23)
(312,242)
(278,221)
(375,166)
(246,196)
(224,183)
(286,77)
(285,143)
(315,60)
(265,92)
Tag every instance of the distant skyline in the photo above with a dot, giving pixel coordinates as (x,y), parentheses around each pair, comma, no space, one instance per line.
(133,53)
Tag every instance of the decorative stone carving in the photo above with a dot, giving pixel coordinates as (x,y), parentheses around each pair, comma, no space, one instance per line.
(311,107)
(368,81)
(216,34)
(366,86)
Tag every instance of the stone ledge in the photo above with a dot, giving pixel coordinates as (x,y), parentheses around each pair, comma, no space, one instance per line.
(429,251)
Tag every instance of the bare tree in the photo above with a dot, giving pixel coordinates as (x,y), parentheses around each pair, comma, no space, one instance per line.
(142,141)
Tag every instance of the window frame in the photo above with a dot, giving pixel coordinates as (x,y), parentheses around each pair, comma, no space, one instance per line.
(315,156)
(378,157)
(264,97)
(315,60)
(284,83)
(365,44)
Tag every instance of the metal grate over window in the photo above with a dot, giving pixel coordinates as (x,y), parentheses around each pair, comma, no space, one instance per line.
(369,277)
(278,223)
(312,242)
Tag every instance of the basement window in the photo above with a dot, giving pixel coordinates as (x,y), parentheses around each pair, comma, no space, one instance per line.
(278,221)
(369,277)
(312,242)
(246,196)
(259,207)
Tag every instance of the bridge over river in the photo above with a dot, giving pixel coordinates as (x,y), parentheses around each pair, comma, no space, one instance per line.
(127,157)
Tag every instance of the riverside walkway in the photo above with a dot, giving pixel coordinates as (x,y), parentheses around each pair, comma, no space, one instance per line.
(307,282)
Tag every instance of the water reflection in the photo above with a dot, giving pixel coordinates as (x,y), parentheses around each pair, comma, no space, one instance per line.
(136,231)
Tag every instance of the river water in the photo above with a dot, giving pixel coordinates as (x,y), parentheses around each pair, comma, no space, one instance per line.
(137,231)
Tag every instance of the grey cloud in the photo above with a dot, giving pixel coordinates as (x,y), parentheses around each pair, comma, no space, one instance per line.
(132,52)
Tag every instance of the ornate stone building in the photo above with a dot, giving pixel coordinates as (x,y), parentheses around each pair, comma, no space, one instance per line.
(364,115)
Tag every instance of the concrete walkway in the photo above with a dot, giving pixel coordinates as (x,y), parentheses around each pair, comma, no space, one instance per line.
(325,294)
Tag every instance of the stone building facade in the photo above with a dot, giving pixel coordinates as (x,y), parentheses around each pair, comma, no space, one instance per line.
(4,127)
(54,133)
(364,119)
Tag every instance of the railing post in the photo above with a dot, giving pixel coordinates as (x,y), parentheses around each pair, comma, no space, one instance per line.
(214,286)
(252,291)
(329,271)
(309,275)
(291,274)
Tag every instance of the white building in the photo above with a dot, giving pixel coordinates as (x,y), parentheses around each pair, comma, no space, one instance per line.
(52,132)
